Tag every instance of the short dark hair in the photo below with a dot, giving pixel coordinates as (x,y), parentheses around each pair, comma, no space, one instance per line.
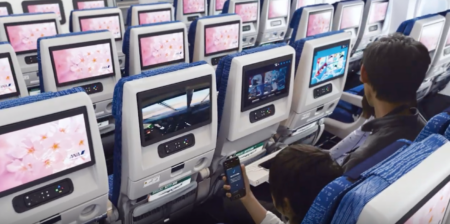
(396,66)
(299,173)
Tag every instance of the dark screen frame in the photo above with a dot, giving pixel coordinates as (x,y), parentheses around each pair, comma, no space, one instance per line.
(167,89)
(6,25)
(154,10)
(218,25)
(46,119)
(13,71)
(249,2)
(25,5)
(8,7)
(77,45)
(159,34)
(75,3)
(245,76)
(424,200)
(345,42)
(101,16)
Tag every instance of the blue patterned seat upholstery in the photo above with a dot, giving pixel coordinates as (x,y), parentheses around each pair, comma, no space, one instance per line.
(346,112)
(436,125)
(378,178)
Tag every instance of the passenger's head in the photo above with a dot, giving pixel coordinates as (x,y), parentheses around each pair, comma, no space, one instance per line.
(393,69)
(297,175)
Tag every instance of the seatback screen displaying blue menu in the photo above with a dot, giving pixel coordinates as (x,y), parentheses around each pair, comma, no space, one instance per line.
(329,62)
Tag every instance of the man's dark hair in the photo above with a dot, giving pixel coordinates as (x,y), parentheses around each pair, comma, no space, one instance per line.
(396,66)
(299,173)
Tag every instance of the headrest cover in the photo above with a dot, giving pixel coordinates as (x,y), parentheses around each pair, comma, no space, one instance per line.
(126,43)
(117,113)
(41,78)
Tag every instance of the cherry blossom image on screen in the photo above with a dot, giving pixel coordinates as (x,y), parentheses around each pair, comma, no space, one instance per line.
(45,8)
(221,38)
(318,23)
(42,150)
(278,8)
(193,6)
(378,12)
(154,17)
(301,3)
(351,16)
(83,62)
(7,84)
(162,48)
(430,35)
(4,11)
(91,4)
(24,37)
(247,11)
(111,23)
(219,4)
(434,210)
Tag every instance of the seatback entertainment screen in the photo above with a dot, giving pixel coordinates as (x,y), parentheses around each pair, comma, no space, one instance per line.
(154,16)
(50,6)
(109,22)
(219,4)
(23,36)
(430,35)
(329,62)
(351,16)
(378,12)
(222,37)
(266,81)
(193,6)
(158,49)
(8,82)
(278,8)
(49,146)
(171,110)
(91,4)
(77,63)
(301,3)
(248,11)
(319,22)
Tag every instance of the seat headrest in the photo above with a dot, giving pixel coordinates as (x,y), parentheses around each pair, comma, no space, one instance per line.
(130,10)
(83,10)
(41,78)
(226,6)
(296,17)
(36,98)
(223,72)
(192,32)
(299,44)
(117,113)
(436,125)
(126,43)
(406,26)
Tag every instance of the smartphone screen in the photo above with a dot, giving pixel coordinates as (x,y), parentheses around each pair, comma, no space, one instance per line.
(234,177)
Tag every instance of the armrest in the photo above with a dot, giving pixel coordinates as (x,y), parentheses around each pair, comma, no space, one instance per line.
(352,99)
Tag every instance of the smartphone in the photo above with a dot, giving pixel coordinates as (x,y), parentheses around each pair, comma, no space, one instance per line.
(235,179)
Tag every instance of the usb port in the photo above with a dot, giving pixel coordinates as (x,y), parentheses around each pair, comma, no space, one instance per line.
(319,108)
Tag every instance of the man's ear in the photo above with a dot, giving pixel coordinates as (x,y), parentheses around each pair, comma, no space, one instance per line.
(364,78)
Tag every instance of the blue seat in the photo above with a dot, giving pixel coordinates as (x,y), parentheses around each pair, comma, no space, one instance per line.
(346,112)
(114,188)
(192,33)
(295,20)
(378,178)
(226,6)
(406,26)
(436,125)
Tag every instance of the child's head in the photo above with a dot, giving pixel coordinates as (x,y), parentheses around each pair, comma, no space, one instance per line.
(297,175)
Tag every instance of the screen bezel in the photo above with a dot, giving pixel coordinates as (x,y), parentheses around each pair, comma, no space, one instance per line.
(359,19)
(28,23)
(249,2)
(8,7)
(151,11)
(204,9)
(423,201)
(167,89)
(217,25)
(77,45)
(165,63)
(320,12)
(317,49)
(46,119)
(379,21)
(101,16)
(13,71)
(25,5)
(75,3)
(244,86)
(268,9)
